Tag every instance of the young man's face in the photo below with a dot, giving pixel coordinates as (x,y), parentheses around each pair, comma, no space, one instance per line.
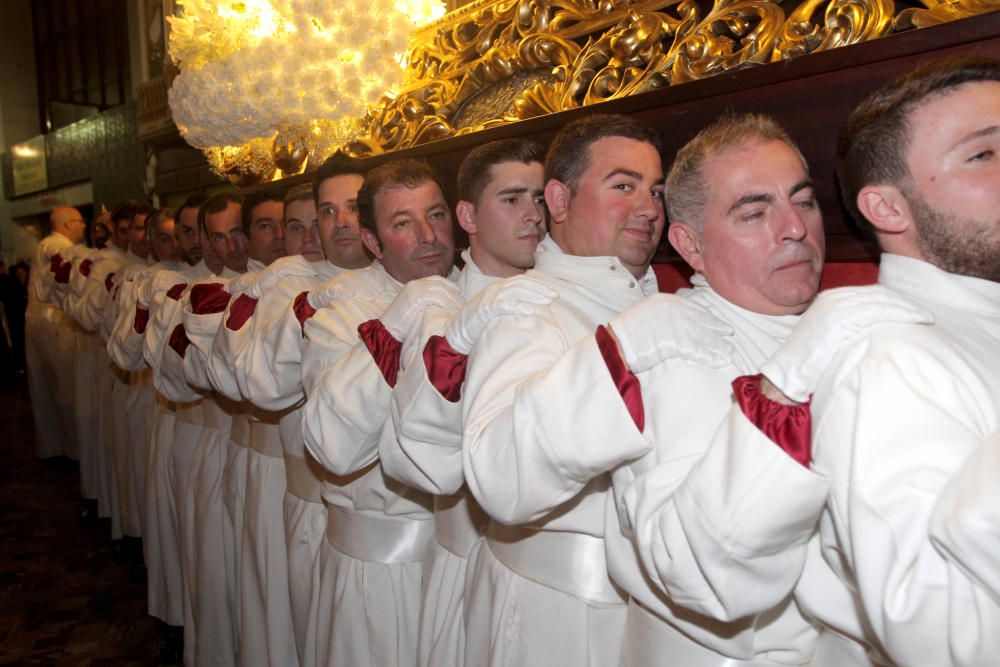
(266,239)
(761,244)
(101,233)
(225,234)
(616,208)
(508,221)
(337,214)
(164,243)
(414,232)
(188,236)
(302,230)
(137,235)
(954,163)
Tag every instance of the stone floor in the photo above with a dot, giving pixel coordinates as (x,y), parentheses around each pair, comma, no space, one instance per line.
(69,595)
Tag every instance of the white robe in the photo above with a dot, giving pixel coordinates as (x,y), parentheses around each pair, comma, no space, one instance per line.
(378,530)
(214,498)
(649,545)
(538,592)
(896,418)
(268,373)
(48,349)
(421,446)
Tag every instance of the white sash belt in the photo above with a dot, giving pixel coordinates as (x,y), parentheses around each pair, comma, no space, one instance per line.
(458,523)
(378,539)
(215,417)
(649,641)
(264,439)
(303,478)
(190,413)
(240,431)
(572,563)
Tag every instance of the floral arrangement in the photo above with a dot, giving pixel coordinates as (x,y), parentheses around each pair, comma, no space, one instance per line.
(293,71)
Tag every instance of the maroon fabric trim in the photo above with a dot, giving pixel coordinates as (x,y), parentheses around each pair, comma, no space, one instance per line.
(85,267)
(240,311)
(788,426)
(445,368)
(625,380)
(384,348)
(109,281)
(55,262)
(179,341)
(209,298)
(141,319)
(62,273)
(303,310)
(176,291)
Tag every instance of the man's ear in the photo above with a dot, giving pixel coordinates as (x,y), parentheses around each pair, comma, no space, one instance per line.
(886,208)
(557,197)
(686,240)
(371,242)
(466,213)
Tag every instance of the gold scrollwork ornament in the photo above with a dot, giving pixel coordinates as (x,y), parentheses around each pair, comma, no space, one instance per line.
(844,22)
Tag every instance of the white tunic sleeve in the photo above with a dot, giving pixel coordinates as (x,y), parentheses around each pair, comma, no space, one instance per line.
(271,372)
(520,463)
(421,444)
(891,434)
(168,372)
(348,400)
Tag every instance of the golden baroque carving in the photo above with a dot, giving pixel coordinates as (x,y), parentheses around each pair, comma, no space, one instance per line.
(573,53)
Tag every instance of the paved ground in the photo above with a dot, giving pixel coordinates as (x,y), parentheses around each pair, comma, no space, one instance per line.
(68,594)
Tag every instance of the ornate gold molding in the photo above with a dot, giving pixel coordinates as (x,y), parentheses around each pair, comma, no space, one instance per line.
(500,61)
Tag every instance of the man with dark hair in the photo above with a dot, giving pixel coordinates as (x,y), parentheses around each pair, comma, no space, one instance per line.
(188,233)
(901,412)
(220,219)
(378,532)
(121,221)
(335,188)
(526,603)
(502,210)
(260,345)
(263,213)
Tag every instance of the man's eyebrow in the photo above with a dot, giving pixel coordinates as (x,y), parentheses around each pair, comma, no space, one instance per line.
(978,134)
(752,198)
(800,186)
(623,172)
(513,190)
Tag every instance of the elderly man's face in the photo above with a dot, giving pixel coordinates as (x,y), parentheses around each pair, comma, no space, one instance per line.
(137,235)
(415,237)
(225,234)
(266,240)
(954,162)
(616,208)
(188,236)
(761,246)
(302,230)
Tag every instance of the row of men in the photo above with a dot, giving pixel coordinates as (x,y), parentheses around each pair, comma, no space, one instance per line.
(358,454)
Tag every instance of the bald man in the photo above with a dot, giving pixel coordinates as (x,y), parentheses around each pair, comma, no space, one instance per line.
(49,345)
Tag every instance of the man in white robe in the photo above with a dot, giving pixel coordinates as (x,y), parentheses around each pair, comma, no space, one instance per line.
(538,592)
(211,505)
(199,418)
(501,208)
(378,530)
(88,312)
(269,373)
(49,339)
(132,394)
(902,413)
